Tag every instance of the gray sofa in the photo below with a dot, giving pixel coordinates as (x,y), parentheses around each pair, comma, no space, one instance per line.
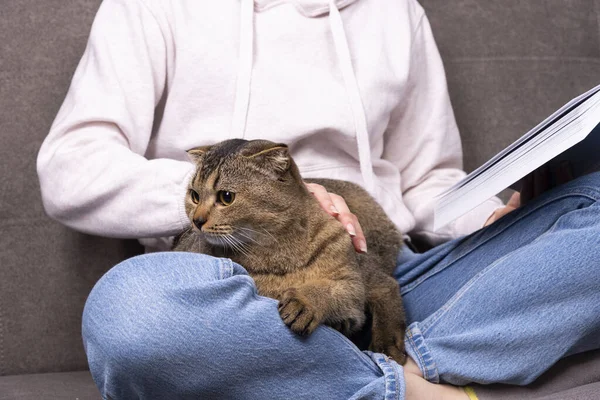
(509,64)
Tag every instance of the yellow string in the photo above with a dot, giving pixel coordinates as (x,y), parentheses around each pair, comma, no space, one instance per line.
(470,392)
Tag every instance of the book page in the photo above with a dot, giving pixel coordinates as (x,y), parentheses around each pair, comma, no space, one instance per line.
(550,140)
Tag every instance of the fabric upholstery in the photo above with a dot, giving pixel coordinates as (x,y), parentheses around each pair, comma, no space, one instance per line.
(573,378)
(55,386)
(46,270)
(509,65)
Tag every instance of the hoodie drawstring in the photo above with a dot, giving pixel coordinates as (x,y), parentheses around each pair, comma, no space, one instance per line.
(358,112)
(244,79)
(244,75)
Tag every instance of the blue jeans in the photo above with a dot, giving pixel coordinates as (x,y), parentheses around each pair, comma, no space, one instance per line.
(500,305)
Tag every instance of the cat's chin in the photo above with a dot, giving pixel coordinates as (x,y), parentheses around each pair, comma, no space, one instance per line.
(213,240)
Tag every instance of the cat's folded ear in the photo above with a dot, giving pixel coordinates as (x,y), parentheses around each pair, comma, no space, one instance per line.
(273,157)
(197,153)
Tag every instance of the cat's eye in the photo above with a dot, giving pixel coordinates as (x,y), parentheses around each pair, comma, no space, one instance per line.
(195,196)
(225,197)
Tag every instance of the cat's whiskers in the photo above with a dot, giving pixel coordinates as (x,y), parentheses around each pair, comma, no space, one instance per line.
(245,247)
(247,236)
(226,242)
(236,244)
(241,245)
(270,234)
(222,241)
(260,233)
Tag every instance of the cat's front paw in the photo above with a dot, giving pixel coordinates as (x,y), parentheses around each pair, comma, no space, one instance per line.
(389,343)
(298,313)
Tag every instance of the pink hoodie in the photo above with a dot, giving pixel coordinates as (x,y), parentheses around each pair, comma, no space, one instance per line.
(355,88)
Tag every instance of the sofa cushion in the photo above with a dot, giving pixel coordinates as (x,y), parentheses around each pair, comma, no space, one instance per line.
(56,386)
(511,63)
(573,378)
(46,269)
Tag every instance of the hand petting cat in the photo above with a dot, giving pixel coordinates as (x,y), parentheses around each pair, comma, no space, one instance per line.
(336,206)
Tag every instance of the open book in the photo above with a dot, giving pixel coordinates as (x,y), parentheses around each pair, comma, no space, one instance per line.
(572,133)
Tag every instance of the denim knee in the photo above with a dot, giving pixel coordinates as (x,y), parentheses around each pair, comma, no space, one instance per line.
(188,326)
(133,315)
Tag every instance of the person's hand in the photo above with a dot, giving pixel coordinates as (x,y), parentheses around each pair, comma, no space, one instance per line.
(336,206)
(513,204)
(534,184)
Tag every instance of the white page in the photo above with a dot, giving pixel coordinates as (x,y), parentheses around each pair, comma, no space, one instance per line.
(537,147)
(565,124)
(515,155)
(524,138)
(460,202)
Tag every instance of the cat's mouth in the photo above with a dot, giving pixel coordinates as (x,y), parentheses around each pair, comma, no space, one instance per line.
(232,238)
(220,239)
(216,239)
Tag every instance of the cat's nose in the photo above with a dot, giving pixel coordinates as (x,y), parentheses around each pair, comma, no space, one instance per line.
(199,222)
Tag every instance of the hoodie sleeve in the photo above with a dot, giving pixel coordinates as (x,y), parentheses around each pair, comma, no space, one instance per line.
(422,140)
(92,170)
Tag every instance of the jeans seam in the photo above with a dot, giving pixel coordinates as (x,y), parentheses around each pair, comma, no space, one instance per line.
(225,268)
(396,392)
(397,377)
(429,369)
(393,384)
(433,318)
(409,336)
(410,287)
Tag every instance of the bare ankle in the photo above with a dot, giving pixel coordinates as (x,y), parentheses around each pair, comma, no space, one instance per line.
(418,388)
(412,367)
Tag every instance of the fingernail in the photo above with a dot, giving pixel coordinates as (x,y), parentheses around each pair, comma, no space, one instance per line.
(363,246)
(351,230)
(334,210)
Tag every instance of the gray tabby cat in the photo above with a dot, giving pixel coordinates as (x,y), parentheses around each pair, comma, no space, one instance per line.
(247,202)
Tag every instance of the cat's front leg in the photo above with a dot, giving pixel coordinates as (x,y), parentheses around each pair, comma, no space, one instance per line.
(389,321)
(299,313)
(305,307)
